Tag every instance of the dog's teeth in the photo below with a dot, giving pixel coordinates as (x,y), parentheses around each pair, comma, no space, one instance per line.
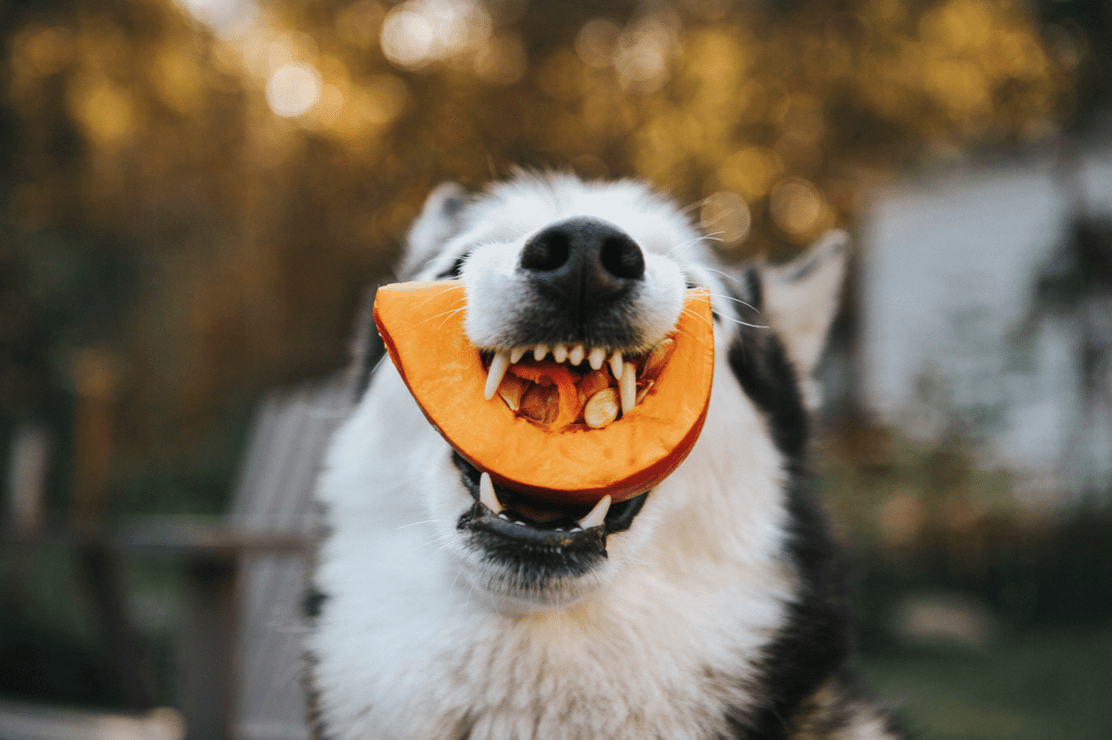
(517,354)
(558,529)
(627,387)
(520,523)
(597,515)
(616,364)
(576,529)
(539,352)
(486,494)
(503,517)
(498,367)
(560,352)
(576,354)
(597,357)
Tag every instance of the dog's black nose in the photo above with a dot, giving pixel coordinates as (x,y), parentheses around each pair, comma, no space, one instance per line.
(583,262)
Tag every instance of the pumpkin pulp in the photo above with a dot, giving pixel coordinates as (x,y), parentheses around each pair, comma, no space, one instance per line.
(422,325)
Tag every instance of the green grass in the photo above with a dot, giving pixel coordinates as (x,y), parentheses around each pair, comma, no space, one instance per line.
(1037,685)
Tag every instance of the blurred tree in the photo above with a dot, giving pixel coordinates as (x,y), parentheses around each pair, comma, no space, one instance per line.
(1079,34)
(199,190)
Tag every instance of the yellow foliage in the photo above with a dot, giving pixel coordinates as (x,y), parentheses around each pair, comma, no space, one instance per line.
(178,78)
(105,109)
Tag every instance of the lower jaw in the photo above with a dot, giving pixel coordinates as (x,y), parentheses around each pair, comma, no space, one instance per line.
(618,519)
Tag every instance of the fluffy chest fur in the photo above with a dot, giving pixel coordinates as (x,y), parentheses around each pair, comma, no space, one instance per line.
(409,648)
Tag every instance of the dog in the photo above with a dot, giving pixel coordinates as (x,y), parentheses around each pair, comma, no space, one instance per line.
(715,605)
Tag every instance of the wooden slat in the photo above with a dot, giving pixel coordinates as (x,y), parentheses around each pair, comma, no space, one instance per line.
(274,496)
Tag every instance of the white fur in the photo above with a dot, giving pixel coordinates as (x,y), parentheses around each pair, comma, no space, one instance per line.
(421,639)
(512,213)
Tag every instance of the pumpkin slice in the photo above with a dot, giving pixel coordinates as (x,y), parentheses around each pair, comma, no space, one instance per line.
(422,324)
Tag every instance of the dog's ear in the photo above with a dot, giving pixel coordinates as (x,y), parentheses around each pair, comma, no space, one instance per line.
(438,222)
(801,298)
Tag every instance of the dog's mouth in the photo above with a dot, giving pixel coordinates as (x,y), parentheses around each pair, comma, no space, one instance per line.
(565,388)
(501,517)
(573,386)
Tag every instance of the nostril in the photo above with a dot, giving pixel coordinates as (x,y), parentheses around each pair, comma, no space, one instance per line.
(621,257)
(546,251)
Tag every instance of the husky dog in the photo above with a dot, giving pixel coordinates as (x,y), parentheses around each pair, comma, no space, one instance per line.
(714,606)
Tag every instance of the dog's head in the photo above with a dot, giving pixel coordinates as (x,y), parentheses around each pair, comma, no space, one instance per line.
(585,273)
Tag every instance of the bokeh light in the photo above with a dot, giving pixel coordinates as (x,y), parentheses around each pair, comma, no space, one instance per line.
(751,171)
(503,61)
(106,110)
(798,209)
(420,32)
(293,90)
(229,18)
(644,52)
(727,217)
(597,41)
(407,38)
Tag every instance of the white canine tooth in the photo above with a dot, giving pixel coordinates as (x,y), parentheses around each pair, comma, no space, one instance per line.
(616,364)
(597,515)
(560,352)
(627,387)
(597,357)
(486,493)
(539,352)
(517,354)
(503,516)
(498,367)
(576,354)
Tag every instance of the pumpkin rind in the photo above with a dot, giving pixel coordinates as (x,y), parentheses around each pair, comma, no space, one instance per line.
(422,324)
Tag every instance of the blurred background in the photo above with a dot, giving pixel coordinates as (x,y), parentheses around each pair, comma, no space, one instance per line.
(195,194)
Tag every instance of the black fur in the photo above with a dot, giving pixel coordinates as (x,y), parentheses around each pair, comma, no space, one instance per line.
(312,602)
(814,644)
(767,376)
(313,716)
(370,349)
(453,271)
(618,519)
(539,552)
(538,556)
(544,322)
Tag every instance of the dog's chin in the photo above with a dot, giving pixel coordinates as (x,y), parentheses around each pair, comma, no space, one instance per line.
(533,555)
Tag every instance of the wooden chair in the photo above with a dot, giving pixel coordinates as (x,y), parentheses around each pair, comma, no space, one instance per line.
(274,497)
(239,668)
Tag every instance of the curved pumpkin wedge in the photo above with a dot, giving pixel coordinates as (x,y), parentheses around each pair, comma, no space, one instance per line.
(422,324)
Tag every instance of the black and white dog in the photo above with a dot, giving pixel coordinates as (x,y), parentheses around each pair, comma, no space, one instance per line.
(714,606)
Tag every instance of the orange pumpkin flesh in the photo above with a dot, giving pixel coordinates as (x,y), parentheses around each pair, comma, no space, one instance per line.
(422,324)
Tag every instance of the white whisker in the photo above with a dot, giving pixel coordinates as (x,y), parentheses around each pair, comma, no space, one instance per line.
(738,300)
(726,275)
(427,521)
(743,323)
(693,242)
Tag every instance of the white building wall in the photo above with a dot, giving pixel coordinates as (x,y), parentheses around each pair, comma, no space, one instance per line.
(948,271)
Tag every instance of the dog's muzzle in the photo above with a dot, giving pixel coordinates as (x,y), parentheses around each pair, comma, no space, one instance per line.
(584,273)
